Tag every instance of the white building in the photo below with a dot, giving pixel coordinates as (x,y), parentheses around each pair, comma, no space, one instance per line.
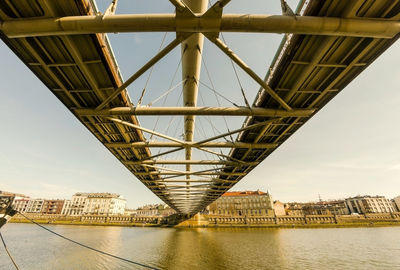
(279,208)
(78,202)
(369,204)
(35,206)
(66,211)
(397,202)
(152,210)
(130,212)
(149,210)
(21,205)
(104,204)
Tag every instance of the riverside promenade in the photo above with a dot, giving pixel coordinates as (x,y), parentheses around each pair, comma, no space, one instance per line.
(367,220)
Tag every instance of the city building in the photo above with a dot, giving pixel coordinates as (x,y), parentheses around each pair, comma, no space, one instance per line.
(21,205)
(52,207)
(369,204)
(243,203)
(130,212)
(104,204)
(338,207)
(35,206)
(394,205)
(77,205)
(294,209)
(149,210)
(152,210)
(165,210)
(279,208)
(396,201)
(66,210)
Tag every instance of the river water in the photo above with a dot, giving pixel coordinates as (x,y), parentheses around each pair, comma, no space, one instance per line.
(222,248)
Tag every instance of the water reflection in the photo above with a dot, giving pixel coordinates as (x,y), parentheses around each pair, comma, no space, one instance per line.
(221,248)
(191,249)
(227,248)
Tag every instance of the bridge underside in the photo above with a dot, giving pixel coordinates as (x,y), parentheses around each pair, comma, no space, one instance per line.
(327,45)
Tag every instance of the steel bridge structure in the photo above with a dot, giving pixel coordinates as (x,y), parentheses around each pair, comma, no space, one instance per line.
(326,45)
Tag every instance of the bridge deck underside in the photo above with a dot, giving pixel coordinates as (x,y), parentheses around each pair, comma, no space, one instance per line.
(307,72)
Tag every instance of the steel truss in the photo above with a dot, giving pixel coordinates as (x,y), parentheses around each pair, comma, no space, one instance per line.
(271,112)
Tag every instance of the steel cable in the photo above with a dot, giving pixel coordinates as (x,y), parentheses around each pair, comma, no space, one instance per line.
(237,77)
(151,72)
(8,252)
(88,247)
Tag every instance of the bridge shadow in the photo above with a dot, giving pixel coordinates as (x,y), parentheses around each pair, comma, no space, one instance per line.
(176,219)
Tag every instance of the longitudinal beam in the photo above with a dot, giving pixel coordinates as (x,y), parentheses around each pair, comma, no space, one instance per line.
(192,162)
(189,173)
(193,144)
(255,23)
(230,111)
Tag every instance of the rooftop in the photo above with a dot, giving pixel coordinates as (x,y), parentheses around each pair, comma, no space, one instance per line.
(99,195)
(243,193)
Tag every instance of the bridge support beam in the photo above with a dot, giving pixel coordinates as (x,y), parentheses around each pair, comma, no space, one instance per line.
(230,111)
(194,144)
(250,23)
(192,162)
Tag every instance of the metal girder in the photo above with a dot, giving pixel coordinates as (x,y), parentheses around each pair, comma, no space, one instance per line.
(190,144)
(263,23)
(193,144)
(302,79)
(192,162)
(188,173)
(216,111)
(146,130)
(179,181)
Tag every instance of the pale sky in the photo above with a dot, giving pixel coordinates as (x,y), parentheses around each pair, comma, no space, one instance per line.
(350,147)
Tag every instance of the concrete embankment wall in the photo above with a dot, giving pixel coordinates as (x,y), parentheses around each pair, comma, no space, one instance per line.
(222,221)
(88,220)
(306,221)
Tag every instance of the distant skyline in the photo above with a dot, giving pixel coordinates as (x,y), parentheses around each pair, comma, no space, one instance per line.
(350,147)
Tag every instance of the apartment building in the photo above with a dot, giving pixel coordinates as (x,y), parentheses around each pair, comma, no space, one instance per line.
(35,206)
(104,204)
(243,203)
(369,204)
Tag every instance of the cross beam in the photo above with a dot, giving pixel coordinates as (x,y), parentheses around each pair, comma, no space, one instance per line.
(253,23)
(231,111)
(193,144)
(189,173)
(192,162)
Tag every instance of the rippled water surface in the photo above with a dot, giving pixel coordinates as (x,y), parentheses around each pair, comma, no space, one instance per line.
(170,248)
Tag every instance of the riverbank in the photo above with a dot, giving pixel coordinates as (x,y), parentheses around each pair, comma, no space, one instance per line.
(205,221)
(272,226)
